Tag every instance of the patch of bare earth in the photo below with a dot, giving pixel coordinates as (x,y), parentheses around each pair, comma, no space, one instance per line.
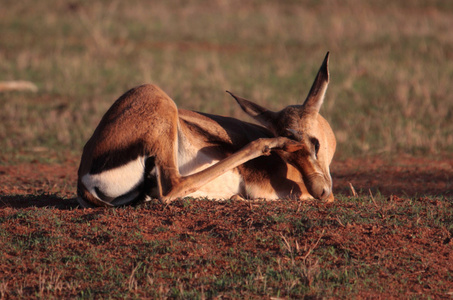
(398,246)
(404,176)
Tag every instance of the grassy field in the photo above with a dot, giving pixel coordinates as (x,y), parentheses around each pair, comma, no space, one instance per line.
(390,94)
(391,66)
(199,249)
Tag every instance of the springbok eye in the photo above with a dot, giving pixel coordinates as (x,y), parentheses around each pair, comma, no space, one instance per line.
(315,143)
(292,134)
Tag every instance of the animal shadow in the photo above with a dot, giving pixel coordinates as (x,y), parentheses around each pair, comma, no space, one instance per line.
(43,200)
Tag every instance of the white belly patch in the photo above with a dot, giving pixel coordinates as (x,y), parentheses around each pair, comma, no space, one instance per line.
(223,187)
(116,182)
(192,160)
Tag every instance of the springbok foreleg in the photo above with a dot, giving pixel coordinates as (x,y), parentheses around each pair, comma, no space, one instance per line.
(188,184)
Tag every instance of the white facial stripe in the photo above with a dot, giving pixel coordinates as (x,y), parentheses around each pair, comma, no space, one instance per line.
(116,182)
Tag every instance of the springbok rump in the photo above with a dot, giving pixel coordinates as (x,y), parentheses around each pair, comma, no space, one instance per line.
(145,147)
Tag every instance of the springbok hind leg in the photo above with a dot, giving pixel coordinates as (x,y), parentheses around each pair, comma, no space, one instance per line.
(182,186)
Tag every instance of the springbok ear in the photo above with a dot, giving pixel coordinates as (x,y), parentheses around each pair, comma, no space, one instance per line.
(318,90)
(264,116)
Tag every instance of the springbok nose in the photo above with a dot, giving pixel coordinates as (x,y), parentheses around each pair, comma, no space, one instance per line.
(325,193)
(320,189)
(318,185)
(322,194)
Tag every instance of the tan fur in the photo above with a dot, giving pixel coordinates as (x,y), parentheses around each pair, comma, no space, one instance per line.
(191,153)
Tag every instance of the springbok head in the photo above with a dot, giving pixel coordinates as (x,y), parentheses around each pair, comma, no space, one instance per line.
(304,124)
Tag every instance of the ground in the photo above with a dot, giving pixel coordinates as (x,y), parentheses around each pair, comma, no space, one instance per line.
(392,239)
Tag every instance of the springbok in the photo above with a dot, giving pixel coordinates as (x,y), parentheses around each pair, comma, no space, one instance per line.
(145,147)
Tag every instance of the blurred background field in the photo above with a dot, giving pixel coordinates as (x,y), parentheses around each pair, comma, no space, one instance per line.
(391,66)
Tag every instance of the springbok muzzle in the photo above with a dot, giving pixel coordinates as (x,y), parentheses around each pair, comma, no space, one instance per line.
(318,185)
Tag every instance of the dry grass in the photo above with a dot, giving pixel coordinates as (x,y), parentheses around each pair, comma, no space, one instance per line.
(391,65)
